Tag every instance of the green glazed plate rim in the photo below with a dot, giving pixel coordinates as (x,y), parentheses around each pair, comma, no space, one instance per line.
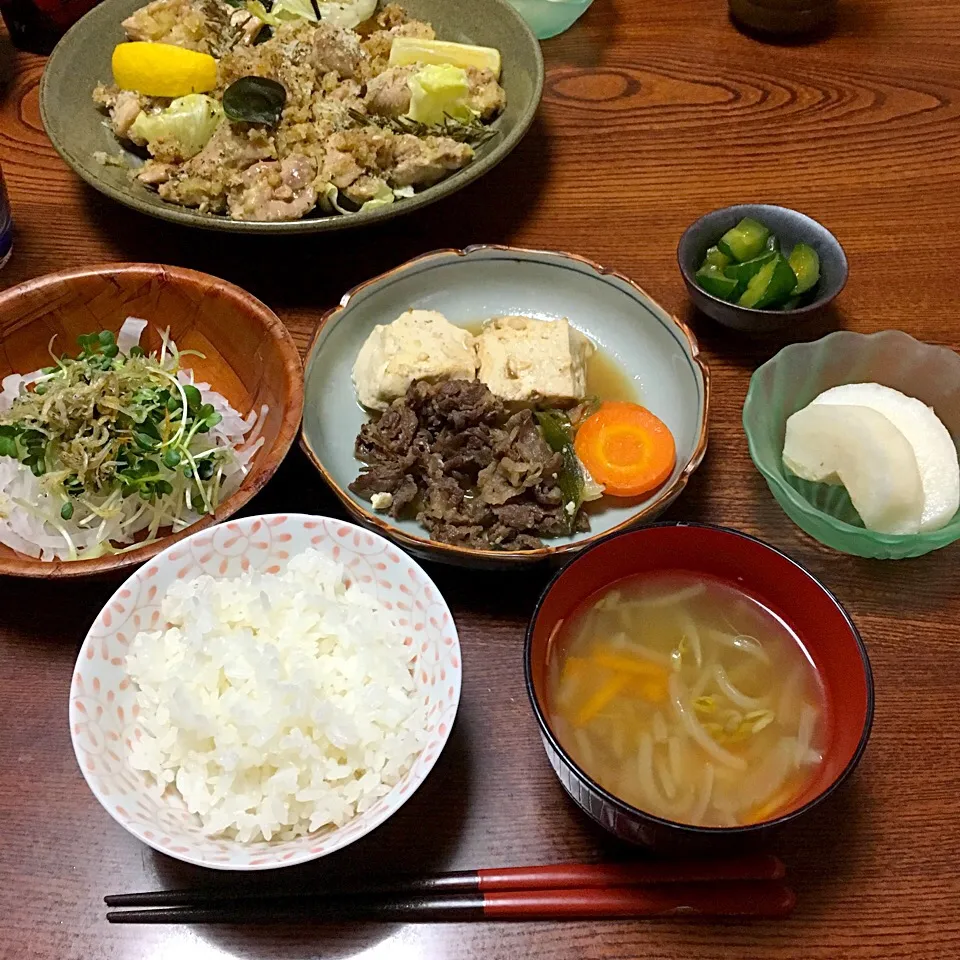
(499,149)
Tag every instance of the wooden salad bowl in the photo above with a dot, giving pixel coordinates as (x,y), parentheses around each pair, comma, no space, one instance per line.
(248,356)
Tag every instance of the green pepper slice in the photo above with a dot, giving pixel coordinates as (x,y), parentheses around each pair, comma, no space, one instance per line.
(558,433)
(714,258)
(770,285)
(745,240)
(716,282)
(805,263)
(556,429)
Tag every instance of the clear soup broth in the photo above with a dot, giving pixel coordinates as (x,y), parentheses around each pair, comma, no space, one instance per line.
(687,699)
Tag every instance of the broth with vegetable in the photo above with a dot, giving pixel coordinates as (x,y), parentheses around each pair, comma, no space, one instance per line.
(687,699)
(498,435)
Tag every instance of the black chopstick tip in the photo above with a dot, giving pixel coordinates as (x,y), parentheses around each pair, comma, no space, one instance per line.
(132,899)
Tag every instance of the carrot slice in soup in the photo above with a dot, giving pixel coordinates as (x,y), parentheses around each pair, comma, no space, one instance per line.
(626,448)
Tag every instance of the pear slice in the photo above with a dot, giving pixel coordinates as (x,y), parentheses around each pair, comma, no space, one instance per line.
(932,445)
(861,449)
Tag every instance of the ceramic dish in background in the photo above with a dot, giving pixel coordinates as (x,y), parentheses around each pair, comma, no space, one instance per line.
(785,588)
(103,718)
(248,356)
(655,351)
(77,128)
(802,371)
(550,18)
(791,227)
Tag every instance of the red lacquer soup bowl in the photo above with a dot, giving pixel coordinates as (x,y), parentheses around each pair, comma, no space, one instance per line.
(772,578)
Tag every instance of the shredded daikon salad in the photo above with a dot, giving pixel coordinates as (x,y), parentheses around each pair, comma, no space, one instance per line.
(114,447)
(276,704)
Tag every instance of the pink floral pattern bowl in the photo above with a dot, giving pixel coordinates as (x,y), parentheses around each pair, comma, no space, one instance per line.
(103,709)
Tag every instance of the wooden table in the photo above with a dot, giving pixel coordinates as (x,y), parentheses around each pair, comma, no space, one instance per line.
(654,113)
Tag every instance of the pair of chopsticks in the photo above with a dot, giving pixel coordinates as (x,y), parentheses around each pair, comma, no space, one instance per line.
(750,886)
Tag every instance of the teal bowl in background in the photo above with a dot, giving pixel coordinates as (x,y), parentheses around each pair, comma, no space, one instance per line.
(549,18)
(802,371)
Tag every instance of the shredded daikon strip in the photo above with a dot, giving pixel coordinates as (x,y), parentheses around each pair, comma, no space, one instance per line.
(31,522)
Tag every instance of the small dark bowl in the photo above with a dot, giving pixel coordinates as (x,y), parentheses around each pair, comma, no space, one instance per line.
(784,18)
(771,577)
(791,227)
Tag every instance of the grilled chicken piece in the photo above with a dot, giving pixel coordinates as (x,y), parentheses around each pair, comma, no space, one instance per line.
(153,173)
(388,94)
(124,112)
(487,97)
(337,50)
(422,161)
(123,106)
(180,22)
(352,153)
(203,180)
(272,190)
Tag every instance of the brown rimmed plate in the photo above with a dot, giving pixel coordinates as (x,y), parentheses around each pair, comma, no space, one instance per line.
(655,352)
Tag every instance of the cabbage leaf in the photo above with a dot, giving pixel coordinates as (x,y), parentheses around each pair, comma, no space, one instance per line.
(438,91)
(293,10)
(384,196)
(189,122)
(263,14)
(339,13)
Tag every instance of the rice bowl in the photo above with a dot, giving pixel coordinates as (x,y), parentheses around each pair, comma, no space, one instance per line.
(113,733)
(275,704)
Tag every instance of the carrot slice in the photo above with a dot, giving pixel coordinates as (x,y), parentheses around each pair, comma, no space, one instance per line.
(626,448)
(600,699)
(631,665)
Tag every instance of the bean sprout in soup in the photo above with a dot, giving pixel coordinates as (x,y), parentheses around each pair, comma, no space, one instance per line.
(687,699)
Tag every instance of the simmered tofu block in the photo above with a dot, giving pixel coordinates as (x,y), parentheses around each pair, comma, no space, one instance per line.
(525,360)
(418,345)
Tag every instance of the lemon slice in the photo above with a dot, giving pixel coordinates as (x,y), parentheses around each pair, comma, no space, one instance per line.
(406,50)
(163,70)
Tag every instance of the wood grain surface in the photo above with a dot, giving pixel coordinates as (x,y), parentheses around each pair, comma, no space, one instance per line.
(654,113)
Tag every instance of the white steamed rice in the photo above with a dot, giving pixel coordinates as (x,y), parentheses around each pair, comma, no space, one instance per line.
(276,704)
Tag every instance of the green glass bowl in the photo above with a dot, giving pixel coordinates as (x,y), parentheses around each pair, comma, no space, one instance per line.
(549,18)
(802,371)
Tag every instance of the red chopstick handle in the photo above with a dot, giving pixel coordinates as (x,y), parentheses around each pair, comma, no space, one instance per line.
(746,899)
(567,875)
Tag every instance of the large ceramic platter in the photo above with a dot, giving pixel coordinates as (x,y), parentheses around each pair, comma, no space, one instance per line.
(82,60)
(655,352)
